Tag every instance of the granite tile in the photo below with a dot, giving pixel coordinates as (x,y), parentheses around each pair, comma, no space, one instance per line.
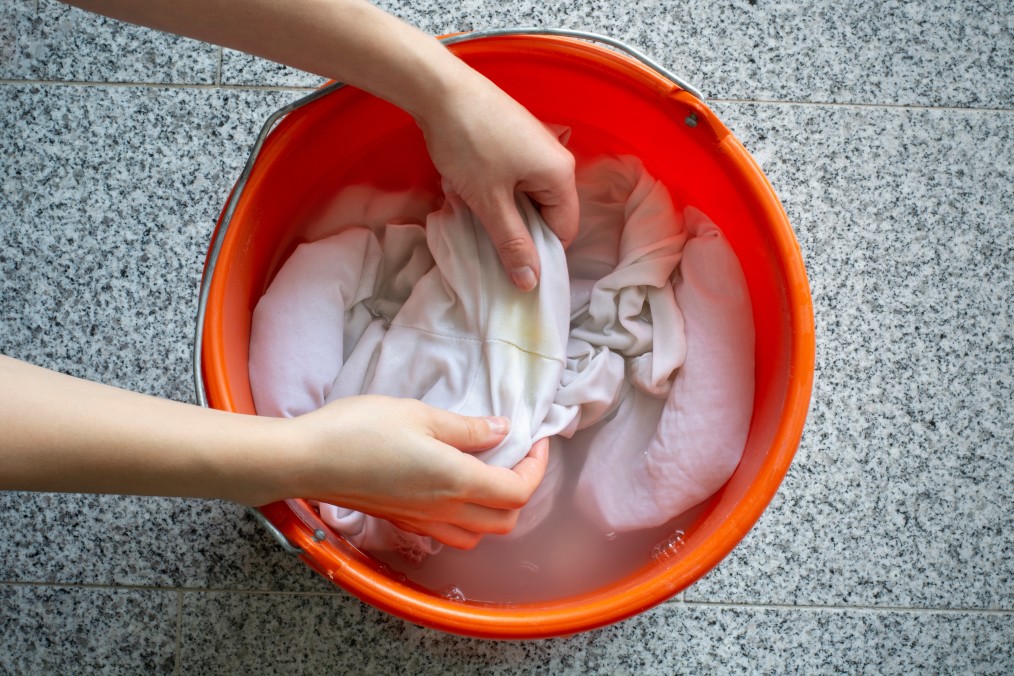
(282,633)
(239,68)
(59,42)
(902,492)
(54,630)
(935,53)
(16,20)
(108,197)
(133,541)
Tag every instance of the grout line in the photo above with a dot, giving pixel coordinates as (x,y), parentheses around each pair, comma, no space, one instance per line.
(679,599)
(847,104)
(155,588)
(866,608)
(160,85)
(298,88)
(85,585)
(179,631)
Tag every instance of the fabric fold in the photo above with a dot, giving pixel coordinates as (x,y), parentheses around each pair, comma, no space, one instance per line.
(637,343)
(638,474)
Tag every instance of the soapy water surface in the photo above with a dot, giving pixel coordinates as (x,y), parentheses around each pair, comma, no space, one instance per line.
(565,555)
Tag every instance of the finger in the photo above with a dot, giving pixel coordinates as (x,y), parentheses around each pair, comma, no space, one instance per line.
(511,238)
(483,519)
(511,488)
(469,517)
(467,433)
(559,207)
(447,533)
(532,467)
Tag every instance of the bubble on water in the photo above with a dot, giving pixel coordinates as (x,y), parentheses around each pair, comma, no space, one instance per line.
(610,536)
(452,593)
(408,547)
(668,547)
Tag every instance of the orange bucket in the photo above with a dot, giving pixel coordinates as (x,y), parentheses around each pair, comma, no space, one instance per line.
(615,104)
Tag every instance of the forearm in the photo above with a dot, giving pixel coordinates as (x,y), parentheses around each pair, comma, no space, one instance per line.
(347,40)
(485,146)
(59,433)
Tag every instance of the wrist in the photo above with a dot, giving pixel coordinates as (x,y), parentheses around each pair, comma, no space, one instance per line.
(444,87)
(292,458)
(259,468)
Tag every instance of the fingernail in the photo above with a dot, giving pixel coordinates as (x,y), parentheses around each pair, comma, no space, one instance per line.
(524,278)
(498,424)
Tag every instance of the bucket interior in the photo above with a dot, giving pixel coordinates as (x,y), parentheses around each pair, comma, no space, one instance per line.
(613,105)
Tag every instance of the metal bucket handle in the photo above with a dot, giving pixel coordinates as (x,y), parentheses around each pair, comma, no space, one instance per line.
(216,245)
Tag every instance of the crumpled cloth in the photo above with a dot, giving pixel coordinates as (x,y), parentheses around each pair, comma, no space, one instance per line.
(639,340)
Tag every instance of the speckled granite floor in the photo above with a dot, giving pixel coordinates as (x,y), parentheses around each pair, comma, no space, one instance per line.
(886,127)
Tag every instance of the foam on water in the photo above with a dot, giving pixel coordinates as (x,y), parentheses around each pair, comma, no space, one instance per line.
(668,547)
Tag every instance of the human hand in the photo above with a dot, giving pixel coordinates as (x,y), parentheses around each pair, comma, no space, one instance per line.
(487,146)
(409,463)
(482,142)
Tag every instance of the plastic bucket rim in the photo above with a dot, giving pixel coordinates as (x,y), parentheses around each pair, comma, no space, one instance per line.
(492,621)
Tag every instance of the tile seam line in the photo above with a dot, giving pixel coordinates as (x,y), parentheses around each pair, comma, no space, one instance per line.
(860,608)
(855,104)
(160,85)
(298,88)
(338,592)
(95,586)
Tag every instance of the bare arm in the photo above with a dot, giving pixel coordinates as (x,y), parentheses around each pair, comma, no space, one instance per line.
(65,434)
(481,141)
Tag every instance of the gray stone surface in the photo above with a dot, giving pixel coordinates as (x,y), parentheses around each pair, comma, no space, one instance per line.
(163,542)
(927,53)
(888,547)
(53,630)
(242,69)
(49,40)
(902,492)
(108,198)
(283,633)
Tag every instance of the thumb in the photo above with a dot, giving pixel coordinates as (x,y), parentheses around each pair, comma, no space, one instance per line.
(532,467)
(468,433)
(511,238)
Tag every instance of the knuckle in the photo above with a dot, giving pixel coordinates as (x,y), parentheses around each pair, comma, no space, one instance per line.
(458,486)
(514,246)
(506,523)
(560,169)
(565,164)
(477,431)
(516,502)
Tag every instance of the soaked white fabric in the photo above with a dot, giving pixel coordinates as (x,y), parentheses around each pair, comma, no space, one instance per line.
(603,347)
(427,314)
(659,456)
